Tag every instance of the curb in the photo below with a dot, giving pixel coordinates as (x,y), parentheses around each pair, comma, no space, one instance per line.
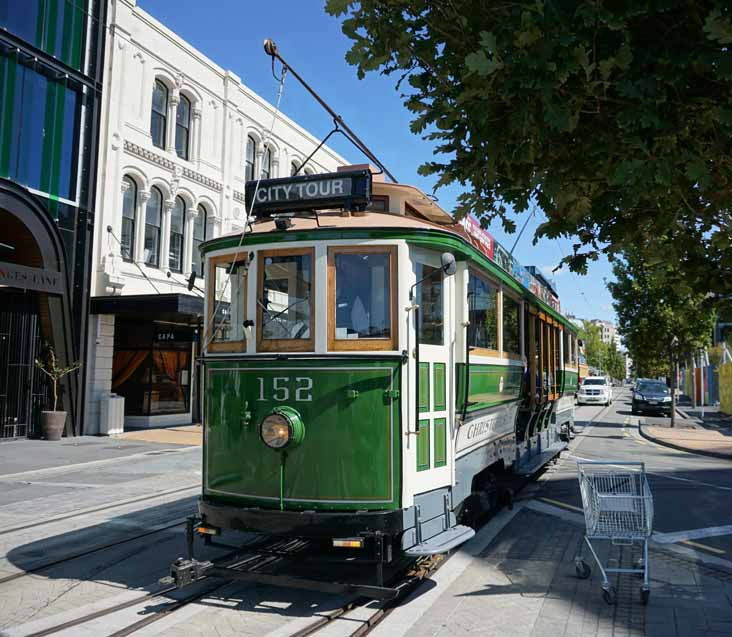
(671,445)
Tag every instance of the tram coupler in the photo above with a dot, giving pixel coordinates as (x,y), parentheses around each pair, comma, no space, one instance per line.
(184,572)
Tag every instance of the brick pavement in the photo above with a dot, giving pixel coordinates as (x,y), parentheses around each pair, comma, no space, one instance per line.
(523,584)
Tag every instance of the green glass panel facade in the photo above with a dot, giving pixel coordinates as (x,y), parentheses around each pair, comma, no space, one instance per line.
(54,26)
(440,391)
(440,442)
(350,455)
(39,129)
(423,445)
(424,387)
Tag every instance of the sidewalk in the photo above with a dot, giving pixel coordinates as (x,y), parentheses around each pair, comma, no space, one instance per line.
(523,584)
(690,435)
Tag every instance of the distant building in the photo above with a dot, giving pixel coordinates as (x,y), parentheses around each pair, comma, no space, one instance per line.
(608,332)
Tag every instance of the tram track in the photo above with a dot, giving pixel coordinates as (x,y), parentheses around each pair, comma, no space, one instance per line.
(87,552)
(106,507)
(267,553)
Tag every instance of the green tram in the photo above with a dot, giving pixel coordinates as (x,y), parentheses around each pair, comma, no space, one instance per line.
(371,367)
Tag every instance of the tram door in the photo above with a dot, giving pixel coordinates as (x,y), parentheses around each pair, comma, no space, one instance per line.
(436,335)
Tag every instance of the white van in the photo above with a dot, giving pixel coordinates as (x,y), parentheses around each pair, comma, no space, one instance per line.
(595,390)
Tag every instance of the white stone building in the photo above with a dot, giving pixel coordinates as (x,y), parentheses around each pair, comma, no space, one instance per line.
(179,138)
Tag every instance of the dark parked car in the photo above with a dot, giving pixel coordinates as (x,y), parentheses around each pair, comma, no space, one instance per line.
(651,396)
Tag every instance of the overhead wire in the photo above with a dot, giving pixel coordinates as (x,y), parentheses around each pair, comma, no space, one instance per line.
(247,223)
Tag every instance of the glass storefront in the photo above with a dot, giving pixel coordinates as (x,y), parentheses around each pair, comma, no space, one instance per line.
(152,367)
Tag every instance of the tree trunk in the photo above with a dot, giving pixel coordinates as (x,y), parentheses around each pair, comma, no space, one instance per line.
(55,394)
(674,380)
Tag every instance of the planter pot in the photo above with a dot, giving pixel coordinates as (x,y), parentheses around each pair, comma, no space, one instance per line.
(52,424)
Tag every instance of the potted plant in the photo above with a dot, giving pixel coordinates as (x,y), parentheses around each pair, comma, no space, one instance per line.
(52,422)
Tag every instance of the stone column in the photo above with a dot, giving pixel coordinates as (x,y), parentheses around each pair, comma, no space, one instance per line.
(142,198)
(165,235)
(172,110)
(275,166)
(195,140)
(191,215)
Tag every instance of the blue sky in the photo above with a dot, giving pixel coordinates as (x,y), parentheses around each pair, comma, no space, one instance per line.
(231,32)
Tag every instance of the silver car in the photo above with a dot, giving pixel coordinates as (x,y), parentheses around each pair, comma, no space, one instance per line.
(595,390)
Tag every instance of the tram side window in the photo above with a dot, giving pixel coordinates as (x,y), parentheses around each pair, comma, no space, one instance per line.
(511,334)
(285,300)
(361,298)
(482,314)
(431,305)
(227,286)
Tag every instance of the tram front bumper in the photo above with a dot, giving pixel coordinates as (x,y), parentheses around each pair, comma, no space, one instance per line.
(307,524)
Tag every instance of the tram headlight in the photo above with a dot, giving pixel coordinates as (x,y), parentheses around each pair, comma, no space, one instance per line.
(282,429)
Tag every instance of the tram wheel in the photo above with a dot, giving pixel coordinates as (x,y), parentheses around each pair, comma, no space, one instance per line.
(582,569)
(609,595)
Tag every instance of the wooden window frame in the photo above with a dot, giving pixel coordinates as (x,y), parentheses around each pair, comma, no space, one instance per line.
(363,344)
(222,346)
(382,198)
(285,344)
(484,351)
(508,353)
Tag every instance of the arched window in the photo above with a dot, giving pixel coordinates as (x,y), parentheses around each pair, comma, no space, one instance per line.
(177,235)
(199,236)
(129,201)
(153,215)
(182,127)
(294,166)
(250,158)
(159,114)
(267,164)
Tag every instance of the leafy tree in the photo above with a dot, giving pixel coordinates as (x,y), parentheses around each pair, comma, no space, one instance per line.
(662,319)
(614,362)
(616,118)
(595,349)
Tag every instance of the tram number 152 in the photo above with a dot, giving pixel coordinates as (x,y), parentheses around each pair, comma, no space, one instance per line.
(280,389)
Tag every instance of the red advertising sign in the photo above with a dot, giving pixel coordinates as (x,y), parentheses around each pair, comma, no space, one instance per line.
(480,238)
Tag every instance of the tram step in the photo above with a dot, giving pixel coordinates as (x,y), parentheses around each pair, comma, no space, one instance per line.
(443,542)
(531,465)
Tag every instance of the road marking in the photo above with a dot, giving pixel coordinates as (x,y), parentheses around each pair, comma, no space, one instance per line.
(562,504)
(693,534)
(661,475)
(704,546)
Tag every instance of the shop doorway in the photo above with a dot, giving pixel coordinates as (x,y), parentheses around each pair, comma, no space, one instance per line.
(24,390)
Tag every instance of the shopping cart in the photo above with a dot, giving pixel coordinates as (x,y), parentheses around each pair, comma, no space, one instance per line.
(618,507)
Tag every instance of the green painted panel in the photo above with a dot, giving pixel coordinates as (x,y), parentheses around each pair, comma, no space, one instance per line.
(440,442)
(489,385)
(427,238)
(423,445)
(568,380)
(440,393)
(424,387)
(350,455)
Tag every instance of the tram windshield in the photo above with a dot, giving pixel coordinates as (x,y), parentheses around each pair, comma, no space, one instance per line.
(285,299)
(363,296)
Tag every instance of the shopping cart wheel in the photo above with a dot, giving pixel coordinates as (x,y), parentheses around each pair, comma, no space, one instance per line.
(609,595)
(645,595)
(582,569)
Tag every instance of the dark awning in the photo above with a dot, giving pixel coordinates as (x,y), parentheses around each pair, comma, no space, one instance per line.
(172,307)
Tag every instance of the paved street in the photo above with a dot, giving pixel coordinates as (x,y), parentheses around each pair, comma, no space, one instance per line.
(515,578)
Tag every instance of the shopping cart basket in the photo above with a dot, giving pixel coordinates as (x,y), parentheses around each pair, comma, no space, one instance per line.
(618,507)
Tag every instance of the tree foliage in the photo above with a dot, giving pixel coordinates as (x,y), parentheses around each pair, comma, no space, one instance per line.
(659,315)
(616,118)
(600,355)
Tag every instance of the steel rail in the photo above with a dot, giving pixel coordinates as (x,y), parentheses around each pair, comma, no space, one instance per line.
(91,551)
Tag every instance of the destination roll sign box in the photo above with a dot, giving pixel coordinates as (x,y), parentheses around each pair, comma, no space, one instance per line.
(343,190)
